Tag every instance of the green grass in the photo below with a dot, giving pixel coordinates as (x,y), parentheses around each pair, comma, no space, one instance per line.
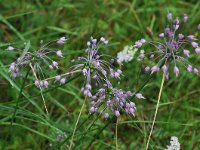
(122,22)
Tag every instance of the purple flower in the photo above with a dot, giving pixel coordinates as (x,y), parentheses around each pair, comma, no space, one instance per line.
(155,69)
(139,96)
(55,64)
(180,36)
(102,39)
(191,37)
(61,41)
(196,71)
(185,18)
(37,61)
(165,69)
(92,109)
(59,53)
(41,83)
(161,35)
(14,75)
(141,56)
(197,50)
(176,24)
(95,67)
(147,69)
(117,114)
(12,67)
(167,30)
(57,78)
(143,41)
(170,49)
(186,52)
(194,44)
(62,81)
(189,68)
(106,115)
(176,70)
(169,16)
(37,83)
(50,67)
(46,84)
(138,44)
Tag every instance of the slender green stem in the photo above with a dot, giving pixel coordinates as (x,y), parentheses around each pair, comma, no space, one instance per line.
(116,134)
(64,141)
(20,93)
(156,111)
(77,121)
(100,131)
(34,73)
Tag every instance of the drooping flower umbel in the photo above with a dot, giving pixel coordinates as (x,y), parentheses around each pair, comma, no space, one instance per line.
(37,60)
(98,71)
(172,49)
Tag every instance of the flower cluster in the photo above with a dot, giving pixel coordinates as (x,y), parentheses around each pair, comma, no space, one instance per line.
(36,60)
(98,71)
(171,48)
(126,54)
(174,144)
(115,99)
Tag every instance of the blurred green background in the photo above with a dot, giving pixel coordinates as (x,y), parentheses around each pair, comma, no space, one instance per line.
(122,22)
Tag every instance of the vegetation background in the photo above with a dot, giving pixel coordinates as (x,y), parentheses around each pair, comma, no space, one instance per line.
(122,22)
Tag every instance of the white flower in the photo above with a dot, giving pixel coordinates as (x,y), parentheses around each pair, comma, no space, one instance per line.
(174,144)
(126,54)
(10,48)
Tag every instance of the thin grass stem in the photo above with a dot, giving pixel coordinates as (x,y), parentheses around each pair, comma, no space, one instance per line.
(156,111)
(77,121)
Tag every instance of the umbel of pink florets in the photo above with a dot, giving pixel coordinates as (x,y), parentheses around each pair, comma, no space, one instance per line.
(98,70)
(172,48)
(116,101)
(37,61)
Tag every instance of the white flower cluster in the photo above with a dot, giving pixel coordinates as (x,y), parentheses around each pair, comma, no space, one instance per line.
(174,144)
(126,54)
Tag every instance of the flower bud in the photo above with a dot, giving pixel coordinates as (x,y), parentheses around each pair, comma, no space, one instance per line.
(176,70)
(46,84)
(161,35)
(194,44)
(196,71)
(185,17)
(147,69)
(59,53)
(189,68)
(139,96)
(169,16)
(117,114)
(186,52)
(62,81)
(197,50)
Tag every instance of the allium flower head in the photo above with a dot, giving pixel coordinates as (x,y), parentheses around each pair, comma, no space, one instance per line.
(96,67)
(172,48)
(37,61)
(115,99)
(98,71)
